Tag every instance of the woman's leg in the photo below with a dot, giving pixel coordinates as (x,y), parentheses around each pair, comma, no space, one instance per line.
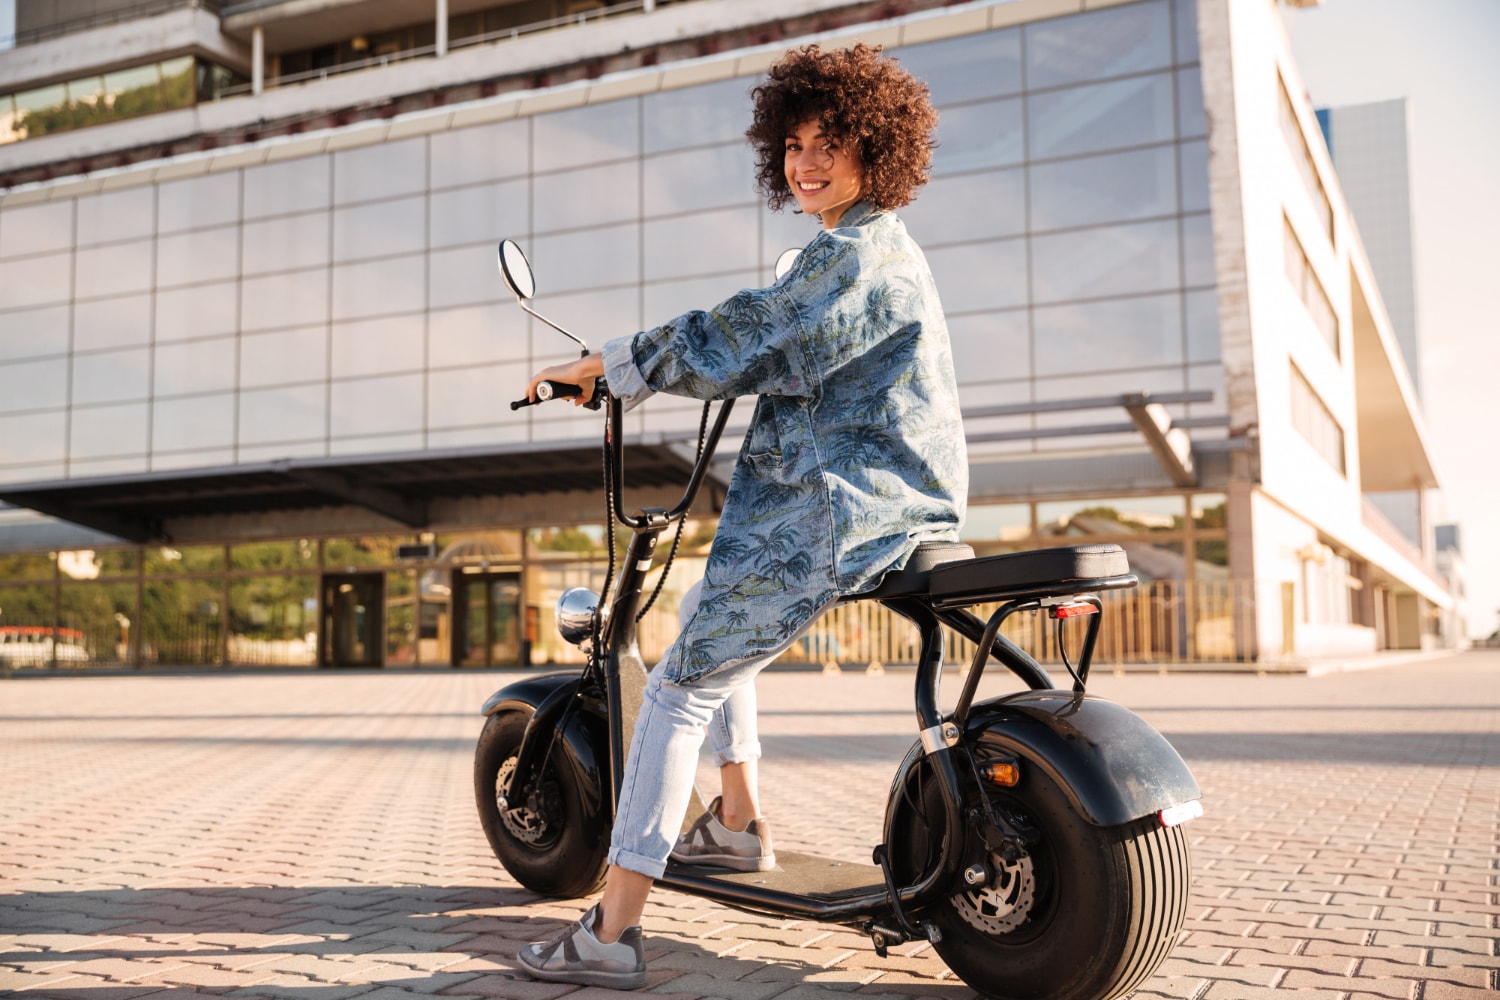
(736,744)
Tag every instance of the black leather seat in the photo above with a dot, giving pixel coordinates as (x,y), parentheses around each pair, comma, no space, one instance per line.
(912,579)
(1074,569)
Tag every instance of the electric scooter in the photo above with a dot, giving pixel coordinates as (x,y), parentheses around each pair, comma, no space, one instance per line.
(1035,839)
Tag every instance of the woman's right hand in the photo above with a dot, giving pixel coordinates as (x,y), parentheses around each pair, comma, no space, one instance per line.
(581,373)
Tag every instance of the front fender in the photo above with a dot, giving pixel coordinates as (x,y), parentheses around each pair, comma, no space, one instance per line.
(1112,764)
(529,691)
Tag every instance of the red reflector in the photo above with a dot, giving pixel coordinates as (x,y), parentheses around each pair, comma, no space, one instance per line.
(1073,610)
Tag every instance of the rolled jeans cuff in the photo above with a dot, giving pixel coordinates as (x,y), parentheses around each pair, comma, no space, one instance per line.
(741,753)
(649,867)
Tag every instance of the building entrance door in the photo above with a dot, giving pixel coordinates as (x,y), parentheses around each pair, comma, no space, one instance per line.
(486,619)
(351,632)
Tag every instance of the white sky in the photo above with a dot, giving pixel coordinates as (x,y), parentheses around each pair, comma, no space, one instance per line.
(7,22)
(1441,56)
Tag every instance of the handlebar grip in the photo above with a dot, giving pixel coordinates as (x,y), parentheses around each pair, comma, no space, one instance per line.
(548,389)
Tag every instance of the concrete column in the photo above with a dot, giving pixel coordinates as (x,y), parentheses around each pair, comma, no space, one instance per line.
(257,60)
(442,28)
(647,6)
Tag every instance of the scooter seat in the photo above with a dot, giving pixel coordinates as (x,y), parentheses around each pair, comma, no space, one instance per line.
(1057,572)
(912,578)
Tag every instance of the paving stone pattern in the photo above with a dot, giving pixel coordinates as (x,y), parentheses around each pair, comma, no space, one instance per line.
(313,835)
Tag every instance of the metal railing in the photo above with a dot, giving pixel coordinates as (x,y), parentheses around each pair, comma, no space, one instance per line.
(104,18)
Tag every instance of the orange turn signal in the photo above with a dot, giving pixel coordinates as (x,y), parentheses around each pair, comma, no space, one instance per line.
(1005,773)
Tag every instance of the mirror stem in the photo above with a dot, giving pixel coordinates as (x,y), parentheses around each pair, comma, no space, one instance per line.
(554,326)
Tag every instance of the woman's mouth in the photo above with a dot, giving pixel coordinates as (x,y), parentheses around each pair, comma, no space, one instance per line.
(811,186)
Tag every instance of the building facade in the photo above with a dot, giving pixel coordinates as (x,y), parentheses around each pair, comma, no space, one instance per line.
(257,358)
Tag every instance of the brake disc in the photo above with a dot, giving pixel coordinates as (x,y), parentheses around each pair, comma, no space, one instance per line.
(1004,902)
(523,824)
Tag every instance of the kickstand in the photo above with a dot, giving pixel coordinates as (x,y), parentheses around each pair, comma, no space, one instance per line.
(904,929)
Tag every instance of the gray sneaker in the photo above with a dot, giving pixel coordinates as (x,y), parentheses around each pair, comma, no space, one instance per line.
(576,956)
(710,842)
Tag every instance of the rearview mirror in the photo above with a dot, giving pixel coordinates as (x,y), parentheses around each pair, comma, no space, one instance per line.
(516,270)
(786,260)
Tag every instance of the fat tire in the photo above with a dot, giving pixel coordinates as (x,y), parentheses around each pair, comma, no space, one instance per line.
(566,861)
(1109,902)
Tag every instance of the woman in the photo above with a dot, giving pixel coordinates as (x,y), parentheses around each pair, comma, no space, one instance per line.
(854,456)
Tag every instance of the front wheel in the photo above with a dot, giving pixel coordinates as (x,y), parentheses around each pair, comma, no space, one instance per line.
(1087,913)
(552,843)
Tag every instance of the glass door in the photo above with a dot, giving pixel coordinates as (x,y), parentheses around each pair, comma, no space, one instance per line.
(487,613)
(351,632)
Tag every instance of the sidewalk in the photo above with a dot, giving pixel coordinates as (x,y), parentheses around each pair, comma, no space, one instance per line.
(312,835)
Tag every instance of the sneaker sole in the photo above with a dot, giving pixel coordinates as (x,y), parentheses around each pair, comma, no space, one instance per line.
(730,861)
(583,977)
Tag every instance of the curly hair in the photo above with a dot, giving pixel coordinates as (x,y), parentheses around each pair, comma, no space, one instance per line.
(864,100)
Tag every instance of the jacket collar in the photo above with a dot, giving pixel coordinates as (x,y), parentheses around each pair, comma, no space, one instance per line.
(857,214)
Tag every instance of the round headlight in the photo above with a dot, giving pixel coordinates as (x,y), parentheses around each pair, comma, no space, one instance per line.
(575,614)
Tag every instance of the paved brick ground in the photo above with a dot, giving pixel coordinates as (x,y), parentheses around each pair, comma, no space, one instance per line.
(313,836)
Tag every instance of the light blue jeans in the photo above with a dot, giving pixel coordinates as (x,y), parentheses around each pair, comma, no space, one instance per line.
(663,757)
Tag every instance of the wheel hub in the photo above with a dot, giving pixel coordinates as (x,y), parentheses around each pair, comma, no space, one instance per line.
(1004,902)
(521,821)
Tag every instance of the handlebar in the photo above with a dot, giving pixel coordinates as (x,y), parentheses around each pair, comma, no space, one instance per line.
(548,389)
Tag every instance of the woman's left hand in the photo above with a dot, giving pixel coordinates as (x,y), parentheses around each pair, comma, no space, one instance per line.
(581,373)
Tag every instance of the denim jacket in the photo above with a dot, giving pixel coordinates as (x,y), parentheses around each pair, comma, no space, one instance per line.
(855,452)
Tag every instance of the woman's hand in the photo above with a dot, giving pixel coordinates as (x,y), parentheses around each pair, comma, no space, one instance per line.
(580,373)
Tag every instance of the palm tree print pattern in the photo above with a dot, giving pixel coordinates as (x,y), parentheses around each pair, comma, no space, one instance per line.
(855,452)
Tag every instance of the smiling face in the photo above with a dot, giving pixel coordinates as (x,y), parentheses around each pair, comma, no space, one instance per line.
(825,178)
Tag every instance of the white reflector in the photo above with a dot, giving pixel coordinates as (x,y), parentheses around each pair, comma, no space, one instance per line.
(1177,815)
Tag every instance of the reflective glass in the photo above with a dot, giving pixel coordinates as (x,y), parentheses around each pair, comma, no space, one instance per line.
(997,522)
(126,214)
(1211,378)
(579,136)
(196,459)
(288,356)
(296,299)
(290,186)
(668,299)
(376,405)
(383,170)
(1098,44)
(108,431)
(33,229)
(1116,187)
(377,346)
(113,270)
(35,281)
(195,202)
(111,377)
(1102,384)
(1185,16)
(295,413)
(588,259)
(273,620)
(702,243)
(967,68)
(700,178)
(197,366)
(184,559)
(380,229)
(482,153)
(483,214)
(468,275)
(476,334)
(379,287)
(786,229)
(593,316)
(196,422)
(980,275)
(199,311)
(287,243)
(16,566)
(33,385)
(204,255)
(181,622)
(1202,310)
(1197,250)
(1137,332)
(34,437)
(104,323)
(481,394)
(379,444)
(990,346)
(1101,116)
(979,135)
(1111,260)
(1191,119)
(697,116)
(968,207)
(262,556)
(33,333)
(588,197)
(1194,173)
(1127,516)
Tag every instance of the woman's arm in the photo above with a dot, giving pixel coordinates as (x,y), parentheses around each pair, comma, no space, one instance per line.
(580,373)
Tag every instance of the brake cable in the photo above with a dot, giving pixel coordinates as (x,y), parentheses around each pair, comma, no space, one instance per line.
(677,538)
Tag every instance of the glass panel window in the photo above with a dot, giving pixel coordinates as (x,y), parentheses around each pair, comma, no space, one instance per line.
(44,110)
(697,116)
(273,620)
(593,196)
(699,179)
(34,385)
(127,214)
(379,229)
(181,622)
(96,621)
(1202,309)
(974,136)
(286,244)
(295,413)
(194,423)
(108,431)
(1194,159)
(197,366)
(953,209)
(260,557)
(583,541)
(177,560)
(33,333)
(1210,512)
(1309,289)
(1302,159)
(1138,332)
(296,299)
(290,186)
(112,376)
(380,287)
(178,82)
(1112,260)
(191,258)
(113,270)
(677,247)
(198,311)
(594,134)
(990,346)
(967,68)
(124,322)
(1191,119)
(288,356)
(467,275)
(482,153)
(33,438)
(21,566)
(980,275)
(376,405)
(1110,518)
(34,229)
(362,551)
(1096,117)
(613,312)
(480,215)
(997,522)
(1185,17)
(1098,44)
(1198,251)
(1315,422)
(34,281)
(401,618)
(478,395)
(594,258)
(383,170)
(378,346)
(476,335)
(1116,187)
(667,299)
(196,202)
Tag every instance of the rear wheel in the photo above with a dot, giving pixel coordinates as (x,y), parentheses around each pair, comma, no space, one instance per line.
(550,843)
(1087,913)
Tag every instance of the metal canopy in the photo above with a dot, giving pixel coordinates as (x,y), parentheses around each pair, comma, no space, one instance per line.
(399,487)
